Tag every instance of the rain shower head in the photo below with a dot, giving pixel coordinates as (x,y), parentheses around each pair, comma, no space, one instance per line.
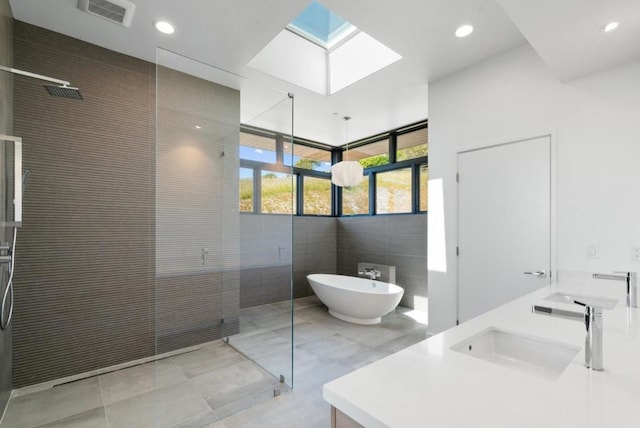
(64,91)
(61,89)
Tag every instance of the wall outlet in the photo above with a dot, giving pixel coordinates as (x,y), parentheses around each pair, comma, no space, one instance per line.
(593,251)
(635,253)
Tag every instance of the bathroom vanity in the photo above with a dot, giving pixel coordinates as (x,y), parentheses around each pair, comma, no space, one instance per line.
(509,367)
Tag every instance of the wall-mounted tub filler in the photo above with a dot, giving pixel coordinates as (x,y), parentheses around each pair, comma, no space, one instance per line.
(61,89)
(376,271)
(593,322)
(631,279)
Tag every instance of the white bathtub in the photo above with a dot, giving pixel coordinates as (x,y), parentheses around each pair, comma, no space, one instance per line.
(353,299)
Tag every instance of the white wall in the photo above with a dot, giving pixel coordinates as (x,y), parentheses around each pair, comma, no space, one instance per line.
(596,123)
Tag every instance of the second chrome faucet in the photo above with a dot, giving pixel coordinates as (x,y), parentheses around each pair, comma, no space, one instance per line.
(631,279)
(593,323)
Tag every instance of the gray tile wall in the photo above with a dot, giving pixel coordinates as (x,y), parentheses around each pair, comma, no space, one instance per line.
(315,250)
(265,258)
(266,275)
(197,218)
(6,127)
(86,291)
(86,271)
(396,240)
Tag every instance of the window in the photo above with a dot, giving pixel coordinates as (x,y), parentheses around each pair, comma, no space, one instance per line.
(305,157)
(412,145)
(370,155)
(281,175)
(277,193)
(317,196)
(355,199)
(393,191)
(257,148)
(320,25)
(246,190)
(423,195)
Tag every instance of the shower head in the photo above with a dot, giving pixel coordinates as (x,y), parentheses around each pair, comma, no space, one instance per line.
(64,91)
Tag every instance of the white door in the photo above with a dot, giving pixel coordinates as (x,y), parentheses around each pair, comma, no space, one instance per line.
(504,224)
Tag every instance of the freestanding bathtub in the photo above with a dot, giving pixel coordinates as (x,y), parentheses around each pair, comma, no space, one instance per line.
(353,299)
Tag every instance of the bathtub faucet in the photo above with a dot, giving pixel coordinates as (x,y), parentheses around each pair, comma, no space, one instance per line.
(372,273)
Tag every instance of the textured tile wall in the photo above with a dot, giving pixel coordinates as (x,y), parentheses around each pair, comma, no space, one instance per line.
(86,293)
(197,219)
(315,243)
(396,240)
(269,246)
(6,127)
(85,276)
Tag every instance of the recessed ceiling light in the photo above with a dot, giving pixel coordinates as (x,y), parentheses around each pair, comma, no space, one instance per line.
(198,127)
(609,27)
(464,30)
(164,27)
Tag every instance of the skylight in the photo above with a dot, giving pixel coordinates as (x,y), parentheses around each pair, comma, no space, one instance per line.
(319,25)
(322,52)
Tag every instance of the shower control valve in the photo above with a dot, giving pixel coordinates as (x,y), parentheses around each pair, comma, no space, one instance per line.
(5,253)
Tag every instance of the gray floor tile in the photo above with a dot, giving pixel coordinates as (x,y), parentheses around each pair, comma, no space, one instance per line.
(260,344)
(335,346)
(365,358)
(226,385)
(369,335)
(314,379)
(218,387)
(305,332)
(126,383)
(399,343)
(400,322)
(166,407)
(279,363)
(95,418)
(53,404)
(289,410)
(207,359)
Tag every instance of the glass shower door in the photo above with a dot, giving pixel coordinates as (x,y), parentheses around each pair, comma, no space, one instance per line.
(200,239)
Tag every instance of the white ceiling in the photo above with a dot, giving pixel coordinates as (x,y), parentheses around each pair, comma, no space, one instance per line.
(228,34)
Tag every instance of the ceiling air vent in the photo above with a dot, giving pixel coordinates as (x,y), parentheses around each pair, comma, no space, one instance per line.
(118,11)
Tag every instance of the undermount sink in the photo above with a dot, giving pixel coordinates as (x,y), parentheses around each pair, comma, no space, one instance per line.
(569,298)
(518,351)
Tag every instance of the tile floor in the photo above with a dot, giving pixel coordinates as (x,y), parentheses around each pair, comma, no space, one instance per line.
(219,387)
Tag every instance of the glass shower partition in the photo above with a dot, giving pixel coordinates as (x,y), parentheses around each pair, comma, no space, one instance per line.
(268,203)
(200,240)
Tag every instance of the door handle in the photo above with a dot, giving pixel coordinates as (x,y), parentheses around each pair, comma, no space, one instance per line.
(537,274)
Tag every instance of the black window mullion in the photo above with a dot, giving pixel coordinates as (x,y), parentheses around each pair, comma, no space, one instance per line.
(257,190)
(393,145)
(279,149)
(415,188)
(372,193)
(336,192)
(299,194)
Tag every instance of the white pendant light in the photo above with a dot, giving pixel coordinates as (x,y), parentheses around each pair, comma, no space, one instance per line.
(347,173)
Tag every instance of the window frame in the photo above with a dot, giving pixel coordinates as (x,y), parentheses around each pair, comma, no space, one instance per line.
(370,173)
(336,156)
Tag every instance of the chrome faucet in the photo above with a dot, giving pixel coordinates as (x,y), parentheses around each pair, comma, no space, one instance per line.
(593,323)
(631,278)
(372,273)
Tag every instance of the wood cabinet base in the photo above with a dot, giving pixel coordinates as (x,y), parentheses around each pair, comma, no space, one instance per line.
(340,420)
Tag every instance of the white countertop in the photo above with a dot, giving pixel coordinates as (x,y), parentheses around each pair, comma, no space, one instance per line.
(429,385)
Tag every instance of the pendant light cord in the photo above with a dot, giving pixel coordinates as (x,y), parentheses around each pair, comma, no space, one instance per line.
(346,125)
